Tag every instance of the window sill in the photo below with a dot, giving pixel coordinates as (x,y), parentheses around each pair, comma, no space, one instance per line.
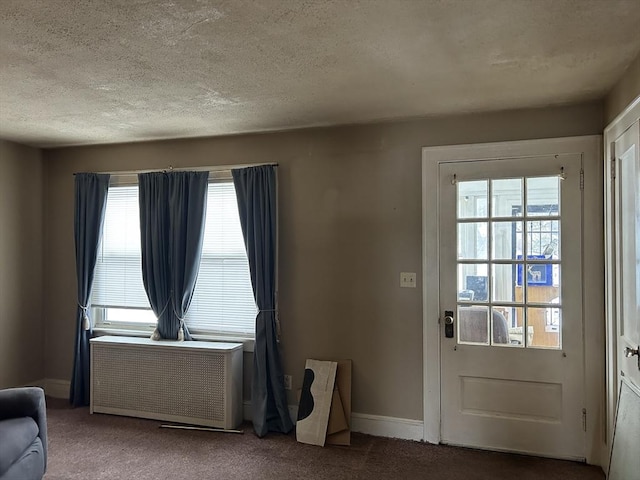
(247,343)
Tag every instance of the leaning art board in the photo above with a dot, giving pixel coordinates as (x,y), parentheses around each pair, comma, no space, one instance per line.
(315,401)
(339,430)
(625,460)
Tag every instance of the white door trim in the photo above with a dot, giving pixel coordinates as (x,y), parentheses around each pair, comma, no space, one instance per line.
(593,270)
(616,128)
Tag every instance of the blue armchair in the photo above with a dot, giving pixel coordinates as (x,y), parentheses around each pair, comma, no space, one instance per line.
(23,433)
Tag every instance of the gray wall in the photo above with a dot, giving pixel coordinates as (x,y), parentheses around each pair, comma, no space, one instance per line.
(21,281)
(350,222)
(624,92)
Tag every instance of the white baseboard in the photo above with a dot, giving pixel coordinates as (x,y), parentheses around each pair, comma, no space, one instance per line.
(391,427)
(54,388)
(377,425)
(36,383)
(57,388)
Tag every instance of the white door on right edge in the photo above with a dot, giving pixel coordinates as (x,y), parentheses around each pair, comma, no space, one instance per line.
(512,358)
(627,232)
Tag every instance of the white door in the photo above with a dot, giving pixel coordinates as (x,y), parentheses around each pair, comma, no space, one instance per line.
(627,239)
(512,369)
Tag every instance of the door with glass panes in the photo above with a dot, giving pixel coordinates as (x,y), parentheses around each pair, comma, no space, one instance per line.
(511,305)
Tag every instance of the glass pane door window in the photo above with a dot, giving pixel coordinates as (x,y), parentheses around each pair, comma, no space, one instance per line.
(509,262)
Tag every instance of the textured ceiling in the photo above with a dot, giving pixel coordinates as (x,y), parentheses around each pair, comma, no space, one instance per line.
(97,71)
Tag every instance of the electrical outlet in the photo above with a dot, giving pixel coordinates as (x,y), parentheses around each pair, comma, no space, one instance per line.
(287,382)
(408,279)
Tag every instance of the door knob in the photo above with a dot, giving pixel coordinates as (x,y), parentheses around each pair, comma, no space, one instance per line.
(630,352)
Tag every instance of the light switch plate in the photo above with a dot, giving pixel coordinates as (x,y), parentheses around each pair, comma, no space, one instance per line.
(408,279)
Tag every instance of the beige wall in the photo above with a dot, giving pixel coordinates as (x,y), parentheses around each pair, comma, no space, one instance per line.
(624,92)
(21,327)
(350,222)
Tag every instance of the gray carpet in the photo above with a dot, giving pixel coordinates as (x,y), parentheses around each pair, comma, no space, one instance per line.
(86,447)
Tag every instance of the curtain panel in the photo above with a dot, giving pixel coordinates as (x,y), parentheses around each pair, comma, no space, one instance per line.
(90,201)
(172,216)
(256,195)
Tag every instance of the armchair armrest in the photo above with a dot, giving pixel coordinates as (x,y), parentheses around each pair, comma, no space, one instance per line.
(26,402)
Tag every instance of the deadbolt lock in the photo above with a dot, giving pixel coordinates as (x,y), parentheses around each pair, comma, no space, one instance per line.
(448,323)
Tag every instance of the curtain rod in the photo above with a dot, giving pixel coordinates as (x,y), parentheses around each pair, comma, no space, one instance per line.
(171,168)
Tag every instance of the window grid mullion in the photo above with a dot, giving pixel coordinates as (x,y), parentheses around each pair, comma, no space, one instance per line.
(525,257)
(490,256)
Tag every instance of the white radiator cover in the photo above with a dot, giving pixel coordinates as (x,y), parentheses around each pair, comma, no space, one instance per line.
(198,383)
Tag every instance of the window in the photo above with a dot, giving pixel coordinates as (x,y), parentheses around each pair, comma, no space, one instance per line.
(223,301)
(496,279)
(223,297)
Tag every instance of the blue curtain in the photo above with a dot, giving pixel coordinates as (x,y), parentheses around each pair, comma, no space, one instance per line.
(90,201)
(256,194)
(188,204)
(172,215)
(153,198)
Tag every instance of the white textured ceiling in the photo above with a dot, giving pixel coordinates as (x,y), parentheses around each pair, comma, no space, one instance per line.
(98,71)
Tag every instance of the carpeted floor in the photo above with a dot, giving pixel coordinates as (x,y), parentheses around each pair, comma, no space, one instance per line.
(87,447)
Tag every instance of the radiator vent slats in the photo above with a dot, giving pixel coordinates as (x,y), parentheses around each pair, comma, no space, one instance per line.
(190,382)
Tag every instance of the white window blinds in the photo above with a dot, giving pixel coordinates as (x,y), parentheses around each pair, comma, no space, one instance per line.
(118,275)
(223,298)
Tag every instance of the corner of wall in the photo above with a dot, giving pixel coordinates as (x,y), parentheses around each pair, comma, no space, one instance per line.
(624,92)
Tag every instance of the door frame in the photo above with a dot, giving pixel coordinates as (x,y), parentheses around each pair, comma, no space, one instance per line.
(590,147)
(616,128)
